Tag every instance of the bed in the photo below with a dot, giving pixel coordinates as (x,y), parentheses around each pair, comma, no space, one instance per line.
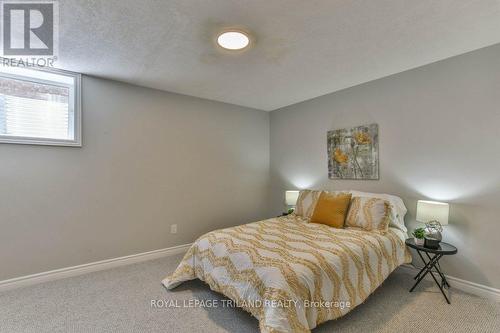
(290,274)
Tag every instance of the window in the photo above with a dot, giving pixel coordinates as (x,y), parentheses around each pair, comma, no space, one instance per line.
(39,107)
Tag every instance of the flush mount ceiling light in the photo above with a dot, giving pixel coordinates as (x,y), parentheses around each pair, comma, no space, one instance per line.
(233,40)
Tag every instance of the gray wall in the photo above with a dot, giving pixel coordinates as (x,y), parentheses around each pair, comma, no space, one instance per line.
(149,159)
(439,139)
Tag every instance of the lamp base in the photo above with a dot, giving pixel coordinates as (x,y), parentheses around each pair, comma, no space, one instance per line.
(431,243)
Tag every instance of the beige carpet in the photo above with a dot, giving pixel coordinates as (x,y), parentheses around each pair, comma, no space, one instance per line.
(118,300)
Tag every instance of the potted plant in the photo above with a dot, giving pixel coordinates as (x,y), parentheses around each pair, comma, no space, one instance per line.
(419,236)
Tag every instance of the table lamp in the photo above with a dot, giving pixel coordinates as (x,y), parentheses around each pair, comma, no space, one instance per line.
(291,200)
(434,214)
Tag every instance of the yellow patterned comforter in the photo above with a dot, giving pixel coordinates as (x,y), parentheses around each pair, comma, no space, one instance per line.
(292,275)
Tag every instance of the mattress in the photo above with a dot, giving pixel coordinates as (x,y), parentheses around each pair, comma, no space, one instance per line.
(290,274)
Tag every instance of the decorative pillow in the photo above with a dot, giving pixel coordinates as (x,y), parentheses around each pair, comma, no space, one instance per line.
(397,208)
(306,202)
(331,209)
(371,214)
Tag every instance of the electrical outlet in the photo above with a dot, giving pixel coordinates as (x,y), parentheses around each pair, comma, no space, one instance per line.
(173,228)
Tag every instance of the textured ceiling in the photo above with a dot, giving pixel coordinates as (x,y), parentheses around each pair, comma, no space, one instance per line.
(302,49)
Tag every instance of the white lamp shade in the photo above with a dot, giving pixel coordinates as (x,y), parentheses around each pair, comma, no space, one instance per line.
(433,210)
(291,197)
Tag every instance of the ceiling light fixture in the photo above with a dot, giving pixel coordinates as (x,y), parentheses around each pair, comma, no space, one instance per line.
(233,40)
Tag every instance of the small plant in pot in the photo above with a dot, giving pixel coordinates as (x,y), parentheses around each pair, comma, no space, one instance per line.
(419,235)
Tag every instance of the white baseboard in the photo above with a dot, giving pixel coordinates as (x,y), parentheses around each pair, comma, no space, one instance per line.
(62,273)
(467,286)
(28,280)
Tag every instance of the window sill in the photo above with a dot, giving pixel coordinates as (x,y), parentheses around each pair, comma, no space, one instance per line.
(40,142)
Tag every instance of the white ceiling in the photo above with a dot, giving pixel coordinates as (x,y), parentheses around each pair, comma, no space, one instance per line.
(303,49)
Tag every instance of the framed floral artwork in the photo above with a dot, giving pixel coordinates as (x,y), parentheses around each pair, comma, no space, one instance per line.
(353,153)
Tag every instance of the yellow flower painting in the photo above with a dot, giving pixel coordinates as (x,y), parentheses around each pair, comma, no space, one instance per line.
(353,153)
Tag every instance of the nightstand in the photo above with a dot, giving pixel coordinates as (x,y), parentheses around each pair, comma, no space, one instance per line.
(433,256)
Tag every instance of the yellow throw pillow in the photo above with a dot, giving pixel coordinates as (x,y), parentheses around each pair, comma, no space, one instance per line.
(306,202)
(331,209)
(371,214)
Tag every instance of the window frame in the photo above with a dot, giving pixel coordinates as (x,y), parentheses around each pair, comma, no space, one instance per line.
(76,105)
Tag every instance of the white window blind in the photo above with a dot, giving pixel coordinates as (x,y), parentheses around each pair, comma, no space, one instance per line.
(39,108)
